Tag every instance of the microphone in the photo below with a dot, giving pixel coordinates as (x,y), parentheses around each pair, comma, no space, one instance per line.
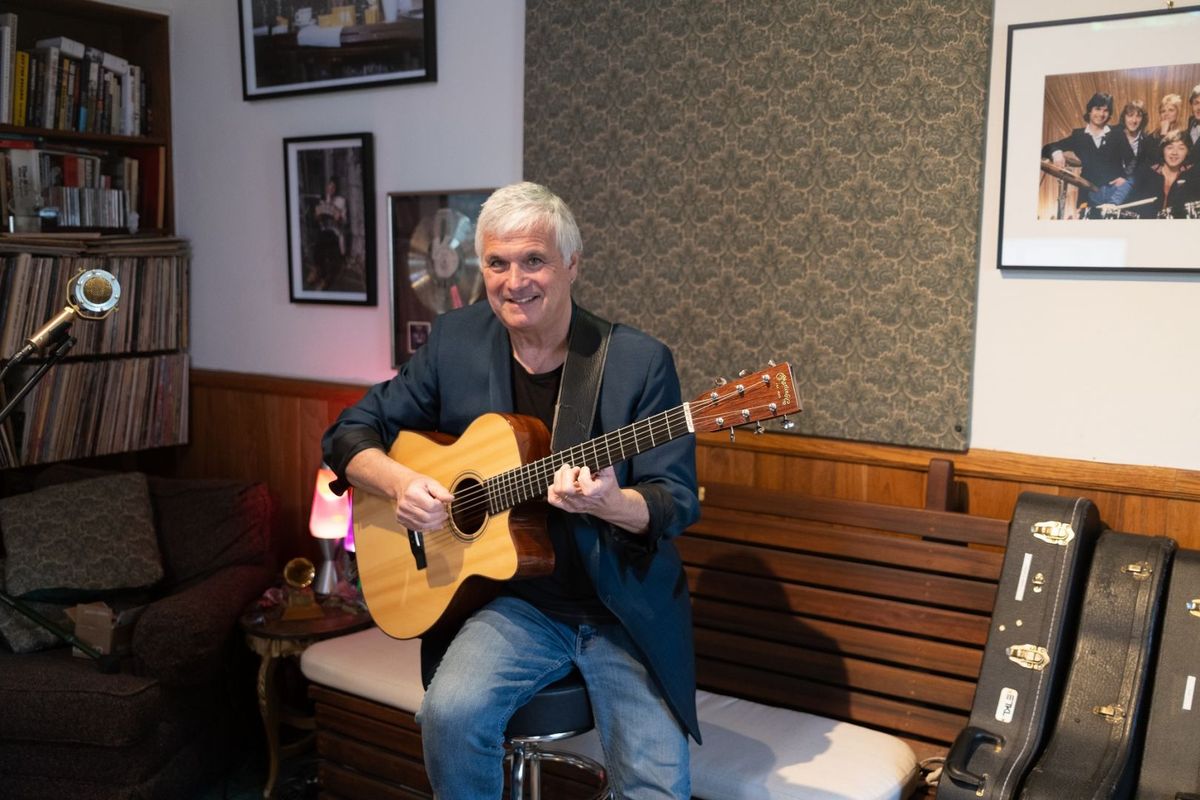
(92,294)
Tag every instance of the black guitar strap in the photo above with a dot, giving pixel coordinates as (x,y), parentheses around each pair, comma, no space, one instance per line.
(580,388)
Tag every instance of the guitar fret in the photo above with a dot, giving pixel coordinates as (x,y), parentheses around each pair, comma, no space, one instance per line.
(529,481)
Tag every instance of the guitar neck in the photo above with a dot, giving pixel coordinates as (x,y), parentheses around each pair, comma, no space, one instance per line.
(529,481)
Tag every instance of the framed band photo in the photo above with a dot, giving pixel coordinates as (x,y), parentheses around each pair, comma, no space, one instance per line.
(329,184)
(292,47)
(434,264)
(1097,158)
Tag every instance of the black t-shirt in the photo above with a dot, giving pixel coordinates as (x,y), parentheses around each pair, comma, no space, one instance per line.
(567,593)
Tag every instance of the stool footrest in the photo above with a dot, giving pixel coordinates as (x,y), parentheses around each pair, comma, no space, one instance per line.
(529,754)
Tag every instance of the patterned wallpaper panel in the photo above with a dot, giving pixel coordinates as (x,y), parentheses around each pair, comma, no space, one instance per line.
(792,179)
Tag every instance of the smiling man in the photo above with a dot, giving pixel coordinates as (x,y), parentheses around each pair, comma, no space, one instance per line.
(616,604)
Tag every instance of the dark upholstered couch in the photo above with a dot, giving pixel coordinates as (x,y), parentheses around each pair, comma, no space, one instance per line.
(172,717)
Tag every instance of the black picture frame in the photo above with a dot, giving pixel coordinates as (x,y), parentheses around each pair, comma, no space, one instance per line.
(1053,71)
(434,266)
(290,49)
(329,187)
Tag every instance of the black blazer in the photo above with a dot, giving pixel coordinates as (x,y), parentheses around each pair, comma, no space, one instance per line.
(1101,164)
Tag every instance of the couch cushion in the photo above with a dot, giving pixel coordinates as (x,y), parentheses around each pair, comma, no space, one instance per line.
(81,540)
(54,696)
(22,634)
(204,525)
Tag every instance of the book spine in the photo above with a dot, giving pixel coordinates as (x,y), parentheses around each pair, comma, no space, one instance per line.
(8,48)
(50,78)
(21,88)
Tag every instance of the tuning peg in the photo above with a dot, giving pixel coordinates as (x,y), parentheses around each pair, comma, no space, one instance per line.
(758,428)
(719,382)
(771,363)
(731,436)
(743,373)
(787,424)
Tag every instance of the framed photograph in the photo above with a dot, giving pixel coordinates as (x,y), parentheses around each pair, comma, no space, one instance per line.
(293,47)
(330,219)
(1094,173)
(434,264)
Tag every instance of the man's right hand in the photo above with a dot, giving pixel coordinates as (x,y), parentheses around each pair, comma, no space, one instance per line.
(420,500)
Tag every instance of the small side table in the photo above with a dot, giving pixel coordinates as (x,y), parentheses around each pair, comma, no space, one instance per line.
(273,638)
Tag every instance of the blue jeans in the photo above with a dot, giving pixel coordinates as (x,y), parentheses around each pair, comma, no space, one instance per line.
(1111,194)
(502,656)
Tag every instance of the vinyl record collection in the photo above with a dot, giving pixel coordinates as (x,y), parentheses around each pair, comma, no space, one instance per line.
(124,383)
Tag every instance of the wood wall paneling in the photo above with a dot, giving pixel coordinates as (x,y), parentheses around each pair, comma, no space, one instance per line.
(264,428)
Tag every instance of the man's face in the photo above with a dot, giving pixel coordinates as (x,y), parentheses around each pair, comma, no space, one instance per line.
(1196,106)
(528,285)
(1174,154)
(1133,120)
(1098,116)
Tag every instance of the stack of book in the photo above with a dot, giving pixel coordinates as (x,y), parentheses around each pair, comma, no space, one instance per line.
(63,84)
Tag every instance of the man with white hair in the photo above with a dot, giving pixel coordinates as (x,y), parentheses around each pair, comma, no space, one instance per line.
(616,605)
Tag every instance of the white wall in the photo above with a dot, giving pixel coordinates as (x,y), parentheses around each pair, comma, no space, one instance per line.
(462,132)
(1088,367)
(1099,366)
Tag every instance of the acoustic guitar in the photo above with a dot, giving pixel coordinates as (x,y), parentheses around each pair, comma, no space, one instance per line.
(499,471)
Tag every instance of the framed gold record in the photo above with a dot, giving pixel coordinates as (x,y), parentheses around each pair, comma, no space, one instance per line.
(434,264)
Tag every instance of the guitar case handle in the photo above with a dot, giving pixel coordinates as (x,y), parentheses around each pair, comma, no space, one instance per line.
(965,745)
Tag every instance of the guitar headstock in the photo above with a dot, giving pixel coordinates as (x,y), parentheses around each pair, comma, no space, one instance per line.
(755,396)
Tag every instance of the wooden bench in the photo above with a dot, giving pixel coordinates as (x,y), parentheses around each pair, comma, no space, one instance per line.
(857,611)
(867,613)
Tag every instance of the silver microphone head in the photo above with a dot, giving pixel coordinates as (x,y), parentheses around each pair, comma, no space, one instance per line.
(95,291)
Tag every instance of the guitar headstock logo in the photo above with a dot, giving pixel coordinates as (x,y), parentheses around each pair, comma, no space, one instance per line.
(784,386)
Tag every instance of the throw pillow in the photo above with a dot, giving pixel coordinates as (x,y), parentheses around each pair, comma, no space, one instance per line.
(22,634)
(78,541)
(205,525)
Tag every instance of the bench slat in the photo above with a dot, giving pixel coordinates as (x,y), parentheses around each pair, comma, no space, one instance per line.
(859,578)
(948,525)
(943,624)
(791,662)
(886,646)
(840,540)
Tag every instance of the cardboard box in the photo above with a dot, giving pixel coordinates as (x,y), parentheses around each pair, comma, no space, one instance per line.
(107,629)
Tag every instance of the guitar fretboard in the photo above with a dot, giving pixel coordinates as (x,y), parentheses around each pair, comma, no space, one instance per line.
(529,481)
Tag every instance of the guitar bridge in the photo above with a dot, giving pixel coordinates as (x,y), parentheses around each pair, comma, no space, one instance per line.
(416,543)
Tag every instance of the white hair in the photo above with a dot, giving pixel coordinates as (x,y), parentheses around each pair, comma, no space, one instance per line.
(521,207)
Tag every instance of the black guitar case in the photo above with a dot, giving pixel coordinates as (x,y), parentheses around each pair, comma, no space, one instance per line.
(1050,542)
(1171,755)
(1094,748)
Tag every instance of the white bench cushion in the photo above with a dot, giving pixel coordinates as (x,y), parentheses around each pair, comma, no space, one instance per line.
(368,664)
(751,751)
(756,752)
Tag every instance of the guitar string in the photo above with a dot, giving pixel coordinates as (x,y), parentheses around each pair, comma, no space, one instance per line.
(477,496)
(511,484)
(515,482)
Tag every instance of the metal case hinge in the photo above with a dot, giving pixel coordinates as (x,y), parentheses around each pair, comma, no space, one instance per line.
(1113,713)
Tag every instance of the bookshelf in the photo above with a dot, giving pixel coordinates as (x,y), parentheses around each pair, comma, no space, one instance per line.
(104,120)
(123,386)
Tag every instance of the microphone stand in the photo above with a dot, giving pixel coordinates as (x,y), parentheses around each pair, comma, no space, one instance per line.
(105,663)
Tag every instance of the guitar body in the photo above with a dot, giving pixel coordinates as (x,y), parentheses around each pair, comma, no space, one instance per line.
(477,549)
(499,471)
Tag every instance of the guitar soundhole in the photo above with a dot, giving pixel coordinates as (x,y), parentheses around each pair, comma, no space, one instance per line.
(469,510)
